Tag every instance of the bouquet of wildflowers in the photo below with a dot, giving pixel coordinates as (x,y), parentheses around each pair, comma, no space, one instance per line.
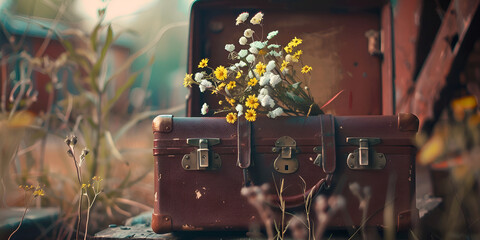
(264,80)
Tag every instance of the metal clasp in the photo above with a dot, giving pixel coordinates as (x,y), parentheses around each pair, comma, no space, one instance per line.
(365,157)
(202,158)
(286,161)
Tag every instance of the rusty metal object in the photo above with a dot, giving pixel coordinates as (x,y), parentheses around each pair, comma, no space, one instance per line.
(454,40)
(407,122)
(162,123)
(161,223)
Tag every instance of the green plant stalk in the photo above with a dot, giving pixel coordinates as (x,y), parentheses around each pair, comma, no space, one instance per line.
(23,216)
(79,178)
(98,132)
(90,205)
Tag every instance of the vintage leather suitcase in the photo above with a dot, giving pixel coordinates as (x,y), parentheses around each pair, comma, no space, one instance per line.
(336,44)
(201,165)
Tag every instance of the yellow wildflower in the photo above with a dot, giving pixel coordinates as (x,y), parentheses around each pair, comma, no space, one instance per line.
(262,52)
(251,115)
(296,56)
(231,85)
(306,69)
(260,68)
(97,178)
(231,101)
(252,102)
(203,63)
(252,82)
(296,41)
(220,102)
(288,49)
(239,74)
(231,117)
(221,86)
(221,73)
(187,81)
(39,192)
(284,65)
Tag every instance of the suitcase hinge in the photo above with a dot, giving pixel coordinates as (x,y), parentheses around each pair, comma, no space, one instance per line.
(286,161)
(374,41)
(365,157)
(202,158)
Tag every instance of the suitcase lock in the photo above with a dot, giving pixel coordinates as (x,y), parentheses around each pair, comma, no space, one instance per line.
(365,158)
(202,158)
(286,161)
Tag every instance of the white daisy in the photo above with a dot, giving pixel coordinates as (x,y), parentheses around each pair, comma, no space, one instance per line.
(272,34)
(248,33)
(204,109)
(229,47)
(243,40)
(241,18)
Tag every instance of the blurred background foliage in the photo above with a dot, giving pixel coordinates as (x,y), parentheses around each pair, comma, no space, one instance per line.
(97,69)
(140,21)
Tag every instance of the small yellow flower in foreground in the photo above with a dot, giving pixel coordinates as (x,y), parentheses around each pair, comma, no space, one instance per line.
(296,41)
(97,178)
(284,65)
(220,102)
(306,69)
(39,192)
(252,102)
(260,68)
(187,81)
(251,115)
(221,73)
(239,74)
(231,85)
(203,63)
(252,82)
(231,117)
(288,49)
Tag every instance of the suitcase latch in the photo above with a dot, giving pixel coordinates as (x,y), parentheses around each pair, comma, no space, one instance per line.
(286,161)
(202,158)
(365,157)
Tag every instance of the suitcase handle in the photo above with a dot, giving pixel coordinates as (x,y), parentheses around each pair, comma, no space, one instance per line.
(299,199)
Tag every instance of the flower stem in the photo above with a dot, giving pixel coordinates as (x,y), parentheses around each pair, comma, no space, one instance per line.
(23,216)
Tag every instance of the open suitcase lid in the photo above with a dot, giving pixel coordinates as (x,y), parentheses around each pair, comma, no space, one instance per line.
(334,45)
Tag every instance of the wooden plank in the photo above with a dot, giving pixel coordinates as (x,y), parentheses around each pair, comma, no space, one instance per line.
(454,40)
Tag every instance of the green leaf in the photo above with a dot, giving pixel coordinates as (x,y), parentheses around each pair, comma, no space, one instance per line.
(294,97)
(98,65)
(94,35)
(295,85)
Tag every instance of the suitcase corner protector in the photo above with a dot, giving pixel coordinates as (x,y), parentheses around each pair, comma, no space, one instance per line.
(162,123)
(161,223)
(408,122)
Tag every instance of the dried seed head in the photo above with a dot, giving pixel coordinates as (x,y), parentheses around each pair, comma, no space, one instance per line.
(67,141)
(74,140)
(355,189)
(70,153)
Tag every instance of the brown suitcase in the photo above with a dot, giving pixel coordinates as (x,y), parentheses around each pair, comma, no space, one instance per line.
(334,44)
(201,165)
